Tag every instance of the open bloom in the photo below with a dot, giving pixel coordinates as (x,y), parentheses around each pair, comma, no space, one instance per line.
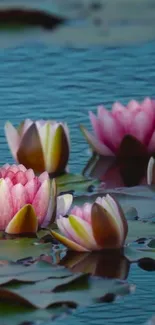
(28,202)
(41,145)
(151,172)
(97,226)
(111,127)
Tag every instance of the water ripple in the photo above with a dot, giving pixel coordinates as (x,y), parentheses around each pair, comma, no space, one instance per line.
(64,84)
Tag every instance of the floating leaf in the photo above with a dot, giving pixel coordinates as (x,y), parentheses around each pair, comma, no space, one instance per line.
(135,254)
(76,183)
(12,314)
(32,273)
(15,249)
(82,290)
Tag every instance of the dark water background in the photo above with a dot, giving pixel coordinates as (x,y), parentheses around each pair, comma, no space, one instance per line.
(64,84)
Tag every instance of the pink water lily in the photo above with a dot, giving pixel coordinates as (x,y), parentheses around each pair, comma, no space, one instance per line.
(111,127)
(41,145)
(97,226)
(28,202)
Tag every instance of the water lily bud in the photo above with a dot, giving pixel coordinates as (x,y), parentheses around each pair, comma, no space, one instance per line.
(97,226)
(41,145)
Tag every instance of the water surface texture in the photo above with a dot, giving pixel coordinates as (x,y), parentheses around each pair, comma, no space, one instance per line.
(64,84)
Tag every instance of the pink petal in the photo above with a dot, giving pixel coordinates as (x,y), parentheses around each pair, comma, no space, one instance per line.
(151,146)
(13,168)
(87,212)
(41,201)
(26,125)
(64,203)
(10,175)
(99,200)
(20,177)
(6,166)
(96,126)
(96,145)
(19,197)
(86,240)
(67,242)
(112,130)
(124,118)
(13,138)
(2,172)
(45,222)
(133,106)
(31,188)
(77,211)
(6,206)
(148,106)
(22,168)
(9,183)
(141,127)
(151,172)
(70,232)
(116,214)
(29,174)
(117,107)
(64,226)
(43,177)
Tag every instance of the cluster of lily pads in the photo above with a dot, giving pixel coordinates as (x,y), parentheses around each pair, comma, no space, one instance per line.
(41,149)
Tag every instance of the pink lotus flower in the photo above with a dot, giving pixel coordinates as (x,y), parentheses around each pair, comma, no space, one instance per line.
(97,226)
(41,145)
(27,201)
(111,127)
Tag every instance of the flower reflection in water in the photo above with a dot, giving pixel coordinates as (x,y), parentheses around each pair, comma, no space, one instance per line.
(109,264)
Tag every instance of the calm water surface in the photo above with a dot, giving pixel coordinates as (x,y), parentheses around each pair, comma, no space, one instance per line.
(64,84)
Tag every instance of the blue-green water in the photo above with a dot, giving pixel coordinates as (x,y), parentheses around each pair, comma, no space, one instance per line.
(64,84)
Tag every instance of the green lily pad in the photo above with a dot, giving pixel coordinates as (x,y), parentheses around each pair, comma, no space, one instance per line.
(17,315)
(81,290)
(32,273)
(15,249)
(76,183)
(135,254)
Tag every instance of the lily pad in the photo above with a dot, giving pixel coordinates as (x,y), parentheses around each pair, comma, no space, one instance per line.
(15,249)
(76,183)
(83,290)
(135,254)
(17,315)
(32,273)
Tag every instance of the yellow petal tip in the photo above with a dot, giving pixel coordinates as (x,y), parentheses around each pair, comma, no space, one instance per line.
(25,221)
